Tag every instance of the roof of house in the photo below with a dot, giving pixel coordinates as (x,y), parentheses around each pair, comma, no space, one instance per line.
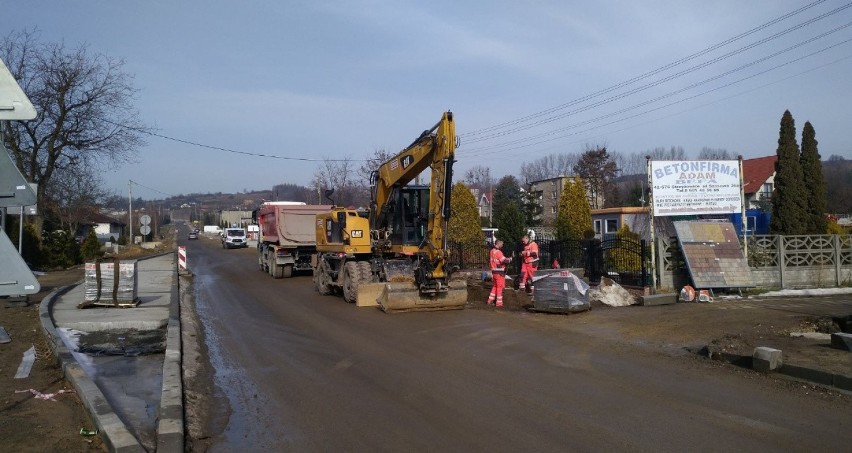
(756,172)
(97,217)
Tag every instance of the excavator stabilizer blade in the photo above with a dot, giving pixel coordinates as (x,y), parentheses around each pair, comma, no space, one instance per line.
(368,294)
(399,297)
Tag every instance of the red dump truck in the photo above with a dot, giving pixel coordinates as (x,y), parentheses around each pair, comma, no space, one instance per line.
(287,236)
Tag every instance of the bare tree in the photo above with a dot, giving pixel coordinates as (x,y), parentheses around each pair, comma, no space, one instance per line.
(673,153)
(339,175)
(549,166)
(367,167)
(716,154)
(598,171)
(74,194)
(85,115)
(629,164)
(479,177)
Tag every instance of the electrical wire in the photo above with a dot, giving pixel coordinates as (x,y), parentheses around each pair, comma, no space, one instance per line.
(227,150)
(151,188)
(689,87)
(668,66)
(510,146)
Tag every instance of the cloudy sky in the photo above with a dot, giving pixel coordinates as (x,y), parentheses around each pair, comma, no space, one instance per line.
(335,79)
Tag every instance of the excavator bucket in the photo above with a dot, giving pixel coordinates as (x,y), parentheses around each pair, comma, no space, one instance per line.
(404,296)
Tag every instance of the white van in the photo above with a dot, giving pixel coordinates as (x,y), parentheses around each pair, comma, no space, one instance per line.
(234,238)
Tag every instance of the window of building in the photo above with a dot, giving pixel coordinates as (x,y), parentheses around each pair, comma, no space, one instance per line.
(553,209)
(553,195)
(611,225)
(597,227)
(766,190)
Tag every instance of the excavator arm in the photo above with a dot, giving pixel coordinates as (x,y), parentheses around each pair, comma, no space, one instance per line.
(434,149)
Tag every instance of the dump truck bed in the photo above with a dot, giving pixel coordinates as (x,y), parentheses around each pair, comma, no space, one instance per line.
(290,225)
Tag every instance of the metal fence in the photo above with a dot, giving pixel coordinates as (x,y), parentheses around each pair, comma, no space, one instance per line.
(623,260)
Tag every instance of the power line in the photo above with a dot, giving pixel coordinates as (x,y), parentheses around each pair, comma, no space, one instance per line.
(689,87)
(521,142)
(151,188)
(227,150)
(662,68)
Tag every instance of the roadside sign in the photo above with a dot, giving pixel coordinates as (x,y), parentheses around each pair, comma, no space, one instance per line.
(145,220)
(145,230)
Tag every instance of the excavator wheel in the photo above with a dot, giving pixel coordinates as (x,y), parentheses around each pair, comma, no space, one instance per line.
(351,280)
(321,281)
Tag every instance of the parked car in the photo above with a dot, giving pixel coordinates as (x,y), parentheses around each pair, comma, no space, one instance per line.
(192,235)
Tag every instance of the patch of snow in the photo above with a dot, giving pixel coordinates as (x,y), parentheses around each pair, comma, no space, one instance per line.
(807,292)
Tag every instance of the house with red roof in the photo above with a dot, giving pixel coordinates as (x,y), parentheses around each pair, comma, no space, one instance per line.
(758,181)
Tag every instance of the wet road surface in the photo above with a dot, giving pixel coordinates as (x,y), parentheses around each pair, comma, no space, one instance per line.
(304,372)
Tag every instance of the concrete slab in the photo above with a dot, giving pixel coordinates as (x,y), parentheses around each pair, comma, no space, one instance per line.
(658,299)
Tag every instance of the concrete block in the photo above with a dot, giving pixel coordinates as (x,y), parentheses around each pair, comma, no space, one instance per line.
(658,299)
(766,359)
(842,340)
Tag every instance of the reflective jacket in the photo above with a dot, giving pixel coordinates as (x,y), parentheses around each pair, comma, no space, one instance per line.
(530,253)
(498,261)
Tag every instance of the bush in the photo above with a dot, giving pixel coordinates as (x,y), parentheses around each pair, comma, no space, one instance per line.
(59,249)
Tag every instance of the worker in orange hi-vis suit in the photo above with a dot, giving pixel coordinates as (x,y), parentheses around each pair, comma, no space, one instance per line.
(530,264)
(498,273)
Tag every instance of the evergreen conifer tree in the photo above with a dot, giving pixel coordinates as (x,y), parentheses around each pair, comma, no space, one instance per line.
(789,212)
(814,182)
(510,223)
(464,223)
(574,215)
(91,247)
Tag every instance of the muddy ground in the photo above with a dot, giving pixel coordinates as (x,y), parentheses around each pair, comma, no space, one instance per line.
(732,326)
(28,423)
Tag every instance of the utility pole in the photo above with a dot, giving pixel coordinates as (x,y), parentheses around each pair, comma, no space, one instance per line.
(130,208)
(490,202)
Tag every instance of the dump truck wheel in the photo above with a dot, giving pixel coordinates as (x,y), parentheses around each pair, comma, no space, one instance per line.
(270,263)
(351,278)
(287,271)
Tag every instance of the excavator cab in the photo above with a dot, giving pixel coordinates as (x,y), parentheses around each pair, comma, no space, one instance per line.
(409,220)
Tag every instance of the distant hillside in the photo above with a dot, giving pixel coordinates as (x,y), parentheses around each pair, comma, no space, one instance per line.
(219,201)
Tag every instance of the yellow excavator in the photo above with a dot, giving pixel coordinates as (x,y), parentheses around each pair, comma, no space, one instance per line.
(395,253)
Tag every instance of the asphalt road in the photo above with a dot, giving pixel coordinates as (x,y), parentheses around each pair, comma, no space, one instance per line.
(304,372)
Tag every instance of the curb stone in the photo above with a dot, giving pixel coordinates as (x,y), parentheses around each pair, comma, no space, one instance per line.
(825,378)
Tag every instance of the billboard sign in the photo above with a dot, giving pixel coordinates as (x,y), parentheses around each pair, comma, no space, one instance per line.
(695,187)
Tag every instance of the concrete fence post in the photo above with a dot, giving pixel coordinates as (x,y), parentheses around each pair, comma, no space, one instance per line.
(838,256)
(782,258)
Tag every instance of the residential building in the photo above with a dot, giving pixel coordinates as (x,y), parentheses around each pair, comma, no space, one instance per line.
(758,181)
(548,191)
(483,202)
(105,227)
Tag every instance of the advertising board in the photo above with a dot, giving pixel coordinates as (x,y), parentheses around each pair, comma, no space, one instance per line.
(695,187)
